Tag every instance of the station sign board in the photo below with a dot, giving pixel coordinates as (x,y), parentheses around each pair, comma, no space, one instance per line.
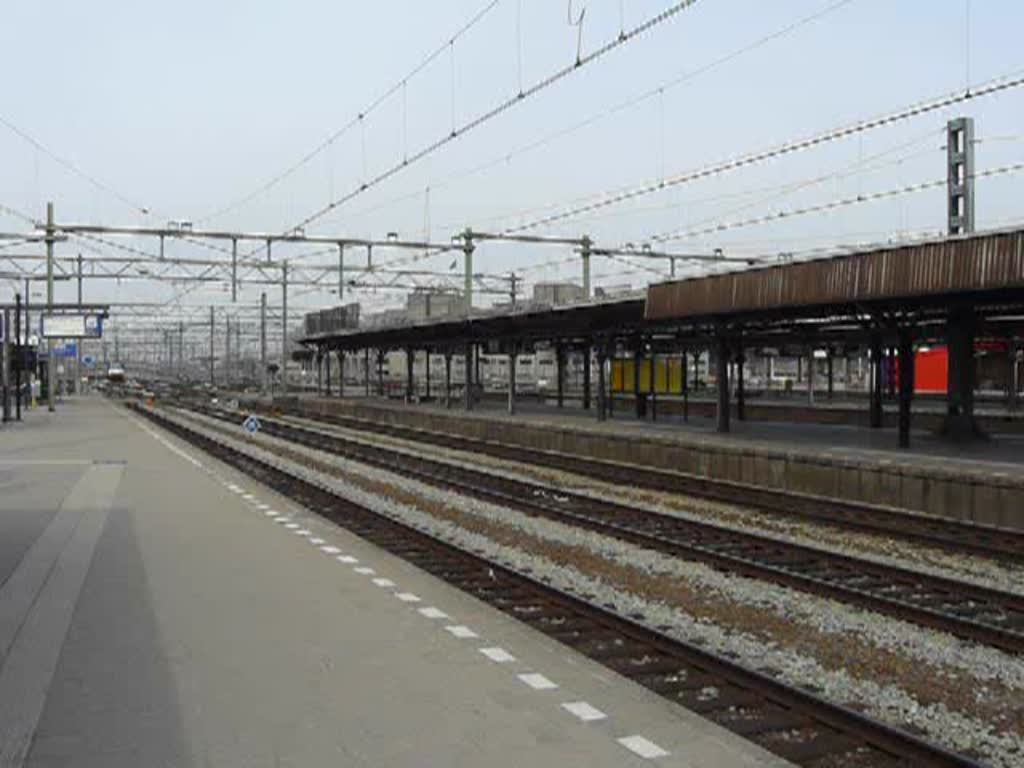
(72,326)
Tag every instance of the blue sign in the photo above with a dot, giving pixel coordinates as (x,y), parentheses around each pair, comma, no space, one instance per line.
(88,361)
(251,424)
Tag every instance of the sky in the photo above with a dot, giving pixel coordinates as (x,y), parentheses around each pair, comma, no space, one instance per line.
(185,109)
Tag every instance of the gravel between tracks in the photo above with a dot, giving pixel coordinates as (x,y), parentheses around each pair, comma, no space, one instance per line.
(971,568)
(942,657)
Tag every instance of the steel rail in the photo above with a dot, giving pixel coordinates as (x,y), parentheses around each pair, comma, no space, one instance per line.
(966,610)
(957,536)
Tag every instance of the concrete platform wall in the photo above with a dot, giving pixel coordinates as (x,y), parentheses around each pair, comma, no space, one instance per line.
(988,497)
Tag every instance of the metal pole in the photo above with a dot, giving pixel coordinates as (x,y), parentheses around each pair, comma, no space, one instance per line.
(263,343)
(234,270)
(585,256)
(213,382)
(6,372)
(512,378)
(284,325)
(467,250)
(181,348)
(21,356)
(78,342)
(49,304)
(227,350)
(341,273)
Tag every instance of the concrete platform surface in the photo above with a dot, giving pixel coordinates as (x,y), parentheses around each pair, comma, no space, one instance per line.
(154,613)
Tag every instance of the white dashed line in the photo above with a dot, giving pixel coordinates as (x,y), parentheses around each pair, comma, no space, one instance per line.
(235,488)
(330,550)
(271,513)
(640,746)
(384,582)
(499,655)
(537,681)
(407,597)
(303,532)
(461,632)
(291,525)
(584,711)
(364,570)
(348,559)
(248,497)
(433,613)
(316,542)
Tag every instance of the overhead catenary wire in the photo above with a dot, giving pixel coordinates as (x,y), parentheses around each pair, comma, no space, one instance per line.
(633,101)
(921,108)
(355,121)
(64,162)
(499,109)
(827,206)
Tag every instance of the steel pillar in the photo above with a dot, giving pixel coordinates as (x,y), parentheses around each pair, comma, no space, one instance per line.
(722,367)
(876,381)
(906,389)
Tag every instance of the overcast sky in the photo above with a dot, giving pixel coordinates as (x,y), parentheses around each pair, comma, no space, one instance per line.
(184,108)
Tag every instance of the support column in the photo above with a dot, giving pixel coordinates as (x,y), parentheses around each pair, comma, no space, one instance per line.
(741,396)
(468,394)
(380,373)
(5,365)
(51,369)
(427,377)
(654,384)
(263,344)
(366,370)
(587,350)
(876,380)
(960,423)
(284,328)
(447,378)
(810,375)
(319,372)
(638,359)
(1013,375)
(327,372)
(602,393)
(831,378)
(560,373)
(410,360)
(906,376)
(685,385)
(722,365)
(21,356)
(212,380)
(512,357)
(341,373)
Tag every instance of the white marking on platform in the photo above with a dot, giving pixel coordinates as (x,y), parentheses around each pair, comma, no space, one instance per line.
(291,525)
(235,488)
(248,497)
(261,505)
(584,711)
(407,597)
(433,613)
(499,655)
(640,746)
(364,570)
(384,582)
(347,559)
(330,550)
(461,632)
(303,532)
(537,681)
(271,513)
(316,542)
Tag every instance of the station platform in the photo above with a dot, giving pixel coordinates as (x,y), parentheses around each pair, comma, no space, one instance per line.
(981,481)
(152,613)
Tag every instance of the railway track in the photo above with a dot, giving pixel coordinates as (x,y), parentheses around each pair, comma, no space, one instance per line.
(983,615)
(787,721)
(1002,544)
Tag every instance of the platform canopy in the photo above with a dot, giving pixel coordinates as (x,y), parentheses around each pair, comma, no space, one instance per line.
(986,268)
